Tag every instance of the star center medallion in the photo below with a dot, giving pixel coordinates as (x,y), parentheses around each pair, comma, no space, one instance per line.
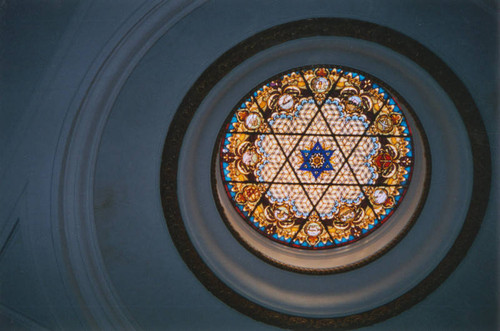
(316,160)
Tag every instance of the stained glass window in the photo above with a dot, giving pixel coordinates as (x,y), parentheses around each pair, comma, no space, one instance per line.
(316,158)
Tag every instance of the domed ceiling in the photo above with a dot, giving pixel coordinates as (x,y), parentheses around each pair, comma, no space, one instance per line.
(253,165)
(311,162)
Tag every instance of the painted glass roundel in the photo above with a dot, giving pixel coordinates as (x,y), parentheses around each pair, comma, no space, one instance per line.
(316,158)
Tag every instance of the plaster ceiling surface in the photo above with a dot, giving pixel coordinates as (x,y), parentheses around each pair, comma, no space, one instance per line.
(143,278)
(177,47)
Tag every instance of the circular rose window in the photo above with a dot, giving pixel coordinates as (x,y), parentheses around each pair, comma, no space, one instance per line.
(316,158)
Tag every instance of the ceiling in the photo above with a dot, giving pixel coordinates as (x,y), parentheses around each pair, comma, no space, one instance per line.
(90,89)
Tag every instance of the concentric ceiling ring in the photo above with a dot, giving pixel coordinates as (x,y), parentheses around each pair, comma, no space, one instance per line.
(207,262)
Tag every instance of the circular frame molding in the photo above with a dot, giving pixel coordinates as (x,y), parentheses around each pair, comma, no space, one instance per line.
(73,224)
(398,43)
(358,253)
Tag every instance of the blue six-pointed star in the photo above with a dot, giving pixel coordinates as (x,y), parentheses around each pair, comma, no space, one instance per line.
(316,160)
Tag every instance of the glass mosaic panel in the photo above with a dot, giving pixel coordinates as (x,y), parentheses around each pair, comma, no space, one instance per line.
(316,158)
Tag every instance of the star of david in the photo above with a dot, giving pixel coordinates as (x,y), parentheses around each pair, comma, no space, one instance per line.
(316,160)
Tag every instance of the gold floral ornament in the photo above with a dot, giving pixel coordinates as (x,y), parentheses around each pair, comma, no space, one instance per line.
(313,231)
(389,121)
(386,123)
(252,120)
(279,214)
(246,158)
(242,157)
(348,216)
(320,84)
(389,160)
(249,193)
(321,81)
(249,120)
(279,219)
(381,197)
(349,222)
(355,101)
(283,98)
